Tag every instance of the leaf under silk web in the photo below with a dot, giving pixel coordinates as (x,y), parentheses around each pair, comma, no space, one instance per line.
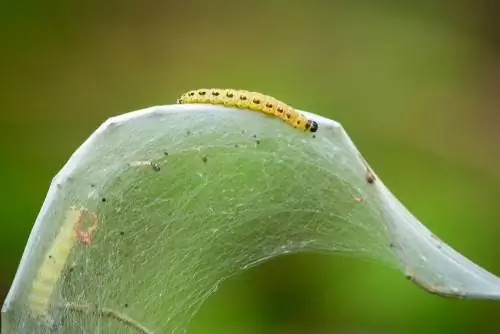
(187,195)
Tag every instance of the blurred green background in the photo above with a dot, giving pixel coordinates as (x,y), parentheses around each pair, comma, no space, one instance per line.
(416,85)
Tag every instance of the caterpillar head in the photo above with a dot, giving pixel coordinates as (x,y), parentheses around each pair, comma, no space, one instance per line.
(312,126)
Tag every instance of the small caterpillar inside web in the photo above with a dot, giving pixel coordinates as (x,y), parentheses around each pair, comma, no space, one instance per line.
(55,260)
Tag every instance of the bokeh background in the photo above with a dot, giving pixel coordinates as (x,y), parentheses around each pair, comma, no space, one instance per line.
(415,84)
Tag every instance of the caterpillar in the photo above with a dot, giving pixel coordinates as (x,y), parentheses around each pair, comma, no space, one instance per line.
(254,101)
(55,260)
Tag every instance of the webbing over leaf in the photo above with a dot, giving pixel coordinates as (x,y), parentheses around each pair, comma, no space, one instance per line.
(187,195)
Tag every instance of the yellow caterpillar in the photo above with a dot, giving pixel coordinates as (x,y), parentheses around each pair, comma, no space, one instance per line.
(55,260)
(243,99)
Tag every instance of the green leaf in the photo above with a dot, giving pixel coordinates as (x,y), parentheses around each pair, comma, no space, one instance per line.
(171,200)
